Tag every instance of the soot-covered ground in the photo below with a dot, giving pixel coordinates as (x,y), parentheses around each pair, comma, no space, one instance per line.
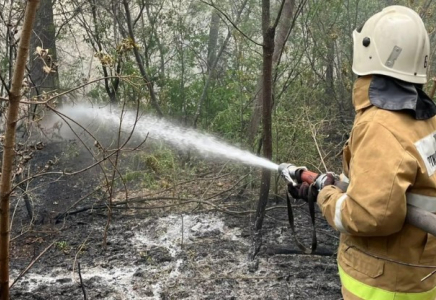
(192,251)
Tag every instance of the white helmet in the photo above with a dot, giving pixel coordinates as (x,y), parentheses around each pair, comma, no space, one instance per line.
(393,42)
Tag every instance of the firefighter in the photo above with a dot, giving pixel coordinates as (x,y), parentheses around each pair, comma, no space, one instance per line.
(389,162)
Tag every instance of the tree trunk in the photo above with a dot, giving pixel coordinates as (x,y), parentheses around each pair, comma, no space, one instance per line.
(208,80)
(9,144)
(44,37)
(283,29)
(268,51)
(213,38)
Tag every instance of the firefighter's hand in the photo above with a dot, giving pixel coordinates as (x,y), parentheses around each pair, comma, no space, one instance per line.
(341,185)
(302,191)
(324,180)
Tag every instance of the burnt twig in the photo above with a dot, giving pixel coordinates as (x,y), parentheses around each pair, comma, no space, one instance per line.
(81,282)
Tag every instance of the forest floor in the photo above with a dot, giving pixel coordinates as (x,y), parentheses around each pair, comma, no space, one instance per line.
(157,248)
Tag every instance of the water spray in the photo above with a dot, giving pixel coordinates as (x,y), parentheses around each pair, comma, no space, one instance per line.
(159,129)
(209,146)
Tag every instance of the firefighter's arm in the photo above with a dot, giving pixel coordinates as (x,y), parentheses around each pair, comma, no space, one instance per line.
(380,173)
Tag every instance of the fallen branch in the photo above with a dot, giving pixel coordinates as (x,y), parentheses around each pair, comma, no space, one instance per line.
(121,205)
(187,181)
(80,200)
(81,282)
(31,264)
(228,190)
(143,199)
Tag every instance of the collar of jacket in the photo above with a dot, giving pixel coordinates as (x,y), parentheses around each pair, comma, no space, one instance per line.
(392,94)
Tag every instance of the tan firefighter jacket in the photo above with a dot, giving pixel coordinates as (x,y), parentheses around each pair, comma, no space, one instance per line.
(390,160)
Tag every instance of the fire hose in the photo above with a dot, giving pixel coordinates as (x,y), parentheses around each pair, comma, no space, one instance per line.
(415,216)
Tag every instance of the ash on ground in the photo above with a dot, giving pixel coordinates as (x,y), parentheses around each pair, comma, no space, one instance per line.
(197,253)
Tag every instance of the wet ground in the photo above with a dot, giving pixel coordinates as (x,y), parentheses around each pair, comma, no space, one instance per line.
(159,246)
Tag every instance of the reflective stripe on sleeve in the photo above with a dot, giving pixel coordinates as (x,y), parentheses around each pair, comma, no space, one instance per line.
(427,203)
(338,214)
(368,292)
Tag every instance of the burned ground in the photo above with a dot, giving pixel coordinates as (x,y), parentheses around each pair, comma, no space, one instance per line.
(159,248)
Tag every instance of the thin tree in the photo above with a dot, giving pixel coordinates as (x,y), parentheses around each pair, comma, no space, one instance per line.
(284,27)
(213,38)
(268,32)
(111,84)
(9,144)
(43,71)
(139,62)
(214,63)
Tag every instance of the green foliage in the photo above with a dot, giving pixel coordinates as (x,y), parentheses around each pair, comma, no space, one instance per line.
(149,168)
(142,178)
(63,246)
(71,151)
(312,82)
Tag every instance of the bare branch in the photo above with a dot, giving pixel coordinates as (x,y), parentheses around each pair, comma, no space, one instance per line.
(297,13)
(314,133)
(279,14)
(4,84)
(72,90)
(121,205)
(231,22)
(139,62)
(139,14)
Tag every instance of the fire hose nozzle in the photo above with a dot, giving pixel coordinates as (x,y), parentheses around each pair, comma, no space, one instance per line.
(289,172)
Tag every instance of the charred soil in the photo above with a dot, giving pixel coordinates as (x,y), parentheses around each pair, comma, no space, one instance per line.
(158,246)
